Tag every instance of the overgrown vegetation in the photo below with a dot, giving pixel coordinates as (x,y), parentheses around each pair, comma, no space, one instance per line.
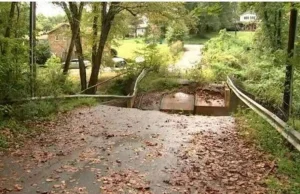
(286,177)
(156,82)
(260,70)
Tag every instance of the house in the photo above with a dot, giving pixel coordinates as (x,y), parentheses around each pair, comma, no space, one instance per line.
(59,40)
(248,17)
(248,21)
(139,28)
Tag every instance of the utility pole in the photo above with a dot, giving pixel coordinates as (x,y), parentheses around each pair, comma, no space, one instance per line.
(32,44)
(287,94)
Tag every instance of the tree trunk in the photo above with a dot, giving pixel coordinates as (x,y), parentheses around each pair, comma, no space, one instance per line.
(70,51)
(95,32)
(82,69)
(98,58)
(11,16)
(107,18)
(287,94)
(9,26)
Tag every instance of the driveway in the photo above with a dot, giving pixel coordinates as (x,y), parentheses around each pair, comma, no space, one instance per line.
(107,149)
(190,58)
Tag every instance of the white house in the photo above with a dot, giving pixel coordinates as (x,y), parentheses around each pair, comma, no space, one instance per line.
(140,29)
(248,17)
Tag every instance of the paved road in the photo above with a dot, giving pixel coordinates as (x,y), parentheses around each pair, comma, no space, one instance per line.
(118,150)
(190,58)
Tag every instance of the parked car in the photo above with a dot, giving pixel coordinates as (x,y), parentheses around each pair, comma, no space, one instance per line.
(119,62)
(74,64)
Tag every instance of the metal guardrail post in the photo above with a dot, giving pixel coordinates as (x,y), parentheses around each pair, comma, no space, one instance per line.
(130,101)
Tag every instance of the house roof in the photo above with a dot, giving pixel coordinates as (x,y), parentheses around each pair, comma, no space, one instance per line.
(58,26)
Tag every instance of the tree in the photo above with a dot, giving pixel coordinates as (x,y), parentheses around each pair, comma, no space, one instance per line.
(14,25)
(273,22)
(176,31)
(73,11)
(45,24)
(109,11)
(212,16)
(287,94)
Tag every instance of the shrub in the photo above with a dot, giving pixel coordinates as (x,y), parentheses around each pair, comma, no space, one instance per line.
(34,109)
(43,52)
(176,47)
(176,31)
(154,60)
(14,80)
(52,81)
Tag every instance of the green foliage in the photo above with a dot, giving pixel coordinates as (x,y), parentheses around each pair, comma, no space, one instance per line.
(260,69)
(43,109)
(14,80)
(3,142)
(45,24)
(51,80)
(153,59)
(257,130)
(43,52)
(122,86)
(33,110)
(211,16)
(176,31)
(200,38)
(177,47)
(274,22)
(156,82)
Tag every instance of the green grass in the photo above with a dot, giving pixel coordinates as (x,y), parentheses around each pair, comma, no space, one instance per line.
(286,179)
(127,49)
(202,39)
(295,123)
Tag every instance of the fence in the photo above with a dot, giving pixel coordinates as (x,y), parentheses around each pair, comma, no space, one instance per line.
(285,130)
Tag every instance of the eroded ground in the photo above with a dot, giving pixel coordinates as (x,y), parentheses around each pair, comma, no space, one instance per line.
(117,150)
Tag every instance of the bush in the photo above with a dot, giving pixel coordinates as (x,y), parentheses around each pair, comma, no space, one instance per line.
(154,60)
(176,47)
(52,81)
(177,31)
(34,110)
(155,82)
(43,52)
(14,80)
(260,69)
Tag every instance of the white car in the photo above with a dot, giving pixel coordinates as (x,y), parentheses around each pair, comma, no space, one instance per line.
(119,62)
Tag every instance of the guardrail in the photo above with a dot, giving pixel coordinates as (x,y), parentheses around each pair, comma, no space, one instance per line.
(129,97)
(285,130)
